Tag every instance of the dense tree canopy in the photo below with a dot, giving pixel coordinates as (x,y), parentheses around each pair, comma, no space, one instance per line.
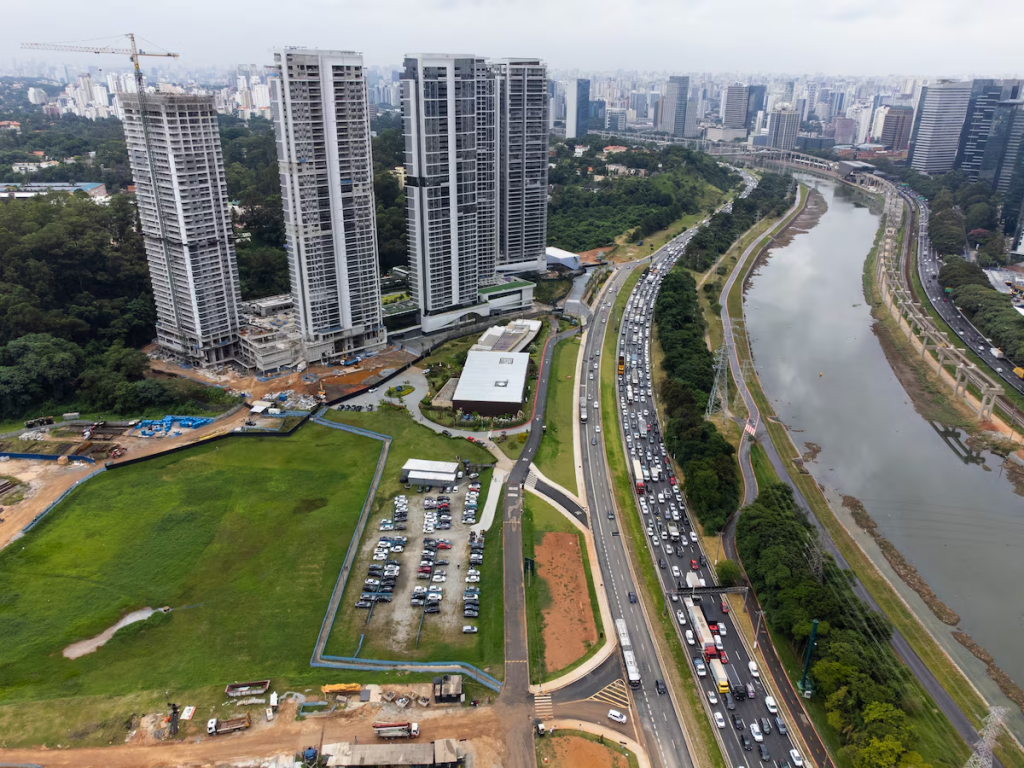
(708,462)
(990,310)
(584,214)
(864,687)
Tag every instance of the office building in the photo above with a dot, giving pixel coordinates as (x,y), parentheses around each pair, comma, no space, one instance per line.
(691,129)
(186,224)
(672,107)
(615,119)
(756,97)
(986,96)
(735,101)
(938,121)
(577,108)
(320,113)
(896,126)
(522,118)
(783,128)
(453,173)
(1002,163)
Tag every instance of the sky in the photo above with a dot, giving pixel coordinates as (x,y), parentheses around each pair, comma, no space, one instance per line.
(937,38)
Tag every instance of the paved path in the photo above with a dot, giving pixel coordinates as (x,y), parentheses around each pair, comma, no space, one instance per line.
(942,699)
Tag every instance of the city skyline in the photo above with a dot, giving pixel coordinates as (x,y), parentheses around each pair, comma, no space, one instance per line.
(912,38)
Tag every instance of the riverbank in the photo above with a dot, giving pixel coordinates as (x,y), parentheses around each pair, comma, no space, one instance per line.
(821,386)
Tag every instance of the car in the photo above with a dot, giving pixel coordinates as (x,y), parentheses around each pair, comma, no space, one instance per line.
(693,537)
(769,703)
(593,441)
(689,637)
(659,685)
(719,720)
(724,606)
(748,745)
(615,716)
(676,572)
(738,724)
(752,666)
(671,480)
(469,630)
(780,726)
(698,664)
(755,731)
(730,702)
(765,755)
(694,566)
(766,726)
(681,617)
(722,657)
(662,564)
(632,597)
(751,691)
(611,515)
(597,428)
(795,757)
(712,697)
(473,579)
(363,604)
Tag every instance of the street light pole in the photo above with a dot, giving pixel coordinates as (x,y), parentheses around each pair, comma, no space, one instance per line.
(757,632)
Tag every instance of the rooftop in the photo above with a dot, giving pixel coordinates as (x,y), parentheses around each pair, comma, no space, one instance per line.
(493,377)
(423,465)
(506,286)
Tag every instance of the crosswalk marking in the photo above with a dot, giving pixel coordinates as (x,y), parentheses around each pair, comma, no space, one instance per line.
(542,705)
(615,693)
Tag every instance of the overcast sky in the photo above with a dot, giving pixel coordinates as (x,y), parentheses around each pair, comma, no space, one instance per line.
(870,37)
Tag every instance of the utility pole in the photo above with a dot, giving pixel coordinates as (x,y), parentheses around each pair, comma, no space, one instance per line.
(757,632)
(804,686)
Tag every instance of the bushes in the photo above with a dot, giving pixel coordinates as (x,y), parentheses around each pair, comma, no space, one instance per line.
(771,197)
(988,309)
(856,674)
(708,462)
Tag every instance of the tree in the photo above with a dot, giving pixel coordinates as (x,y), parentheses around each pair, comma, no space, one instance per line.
(729,573)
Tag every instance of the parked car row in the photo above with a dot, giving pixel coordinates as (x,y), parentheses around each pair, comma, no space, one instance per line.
(399,515)
(472,497)
(471,594)
(383,571)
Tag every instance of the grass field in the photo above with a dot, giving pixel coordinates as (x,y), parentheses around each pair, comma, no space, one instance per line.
(243,539)
(678,675)
(555,454)
(540,518)
(485,649)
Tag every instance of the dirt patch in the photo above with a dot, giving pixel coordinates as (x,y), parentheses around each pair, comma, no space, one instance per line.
(577,752)
(569,629)
(811,454)
(905,570)
(595,255)
(1010,689)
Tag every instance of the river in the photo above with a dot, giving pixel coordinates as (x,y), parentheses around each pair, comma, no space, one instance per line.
(959,523)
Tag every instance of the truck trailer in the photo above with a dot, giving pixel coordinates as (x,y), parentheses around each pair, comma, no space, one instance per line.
(396,730)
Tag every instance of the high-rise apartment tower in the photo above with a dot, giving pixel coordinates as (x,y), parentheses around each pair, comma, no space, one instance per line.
(321,118)
(182,198)
(783,128)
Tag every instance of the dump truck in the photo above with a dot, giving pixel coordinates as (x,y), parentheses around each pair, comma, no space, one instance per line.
(215,727)
(396,730)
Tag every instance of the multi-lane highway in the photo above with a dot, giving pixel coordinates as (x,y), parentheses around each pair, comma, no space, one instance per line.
(928,265)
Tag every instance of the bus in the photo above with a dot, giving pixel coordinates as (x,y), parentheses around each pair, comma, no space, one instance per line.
(622,364)
(583,410)
(638,476)
(718,673)
(642,428)
(628,657)
(635,377)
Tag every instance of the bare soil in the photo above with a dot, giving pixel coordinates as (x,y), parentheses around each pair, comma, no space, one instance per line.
(569,628)
(577,752)
(481,726)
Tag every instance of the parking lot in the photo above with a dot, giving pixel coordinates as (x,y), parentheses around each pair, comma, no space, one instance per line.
(408,549)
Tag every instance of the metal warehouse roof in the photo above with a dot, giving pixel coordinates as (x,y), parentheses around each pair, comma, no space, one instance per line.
(422,465)
(493,377)
(431,477)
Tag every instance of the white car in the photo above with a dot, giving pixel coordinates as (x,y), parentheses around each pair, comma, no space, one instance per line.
(472,579)
(676,573)
(598,429)
(469,630)
(755,731)
(689,637)
(693,537)
(719,720)
(752,666)
(795,757)
(615,716)
(681,618)
(769,702)
(439,578)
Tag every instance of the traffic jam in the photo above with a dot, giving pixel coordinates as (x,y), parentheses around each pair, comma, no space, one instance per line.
(736,696)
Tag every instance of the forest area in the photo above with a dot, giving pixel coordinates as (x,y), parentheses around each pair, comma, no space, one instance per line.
(584,214)
(989,310)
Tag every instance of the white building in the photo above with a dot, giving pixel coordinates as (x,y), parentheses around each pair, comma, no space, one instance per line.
(186,224)
(321,120)
(492,383)
(783,128)
(939,119)
(522,117)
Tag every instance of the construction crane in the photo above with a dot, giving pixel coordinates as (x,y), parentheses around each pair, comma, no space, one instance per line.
(133,53)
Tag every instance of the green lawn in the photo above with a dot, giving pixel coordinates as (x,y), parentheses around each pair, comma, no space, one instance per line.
(555,453)
(485,649)
(540,518)
(764,472)
(243,538)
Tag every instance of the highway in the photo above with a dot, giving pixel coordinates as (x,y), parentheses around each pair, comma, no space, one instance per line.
(928,265)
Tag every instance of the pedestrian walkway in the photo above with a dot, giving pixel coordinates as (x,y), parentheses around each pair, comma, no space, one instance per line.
(536,475)
(542,706)
(493,496)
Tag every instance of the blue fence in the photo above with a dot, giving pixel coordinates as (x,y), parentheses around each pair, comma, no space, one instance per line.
(47,456)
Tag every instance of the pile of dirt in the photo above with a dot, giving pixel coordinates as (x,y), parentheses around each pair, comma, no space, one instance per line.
(577,752)
(569,628)
(905,570)
(1010,689)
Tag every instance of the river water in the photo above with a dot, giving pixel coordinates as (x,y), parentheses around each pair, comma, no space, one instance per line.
(959,523)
